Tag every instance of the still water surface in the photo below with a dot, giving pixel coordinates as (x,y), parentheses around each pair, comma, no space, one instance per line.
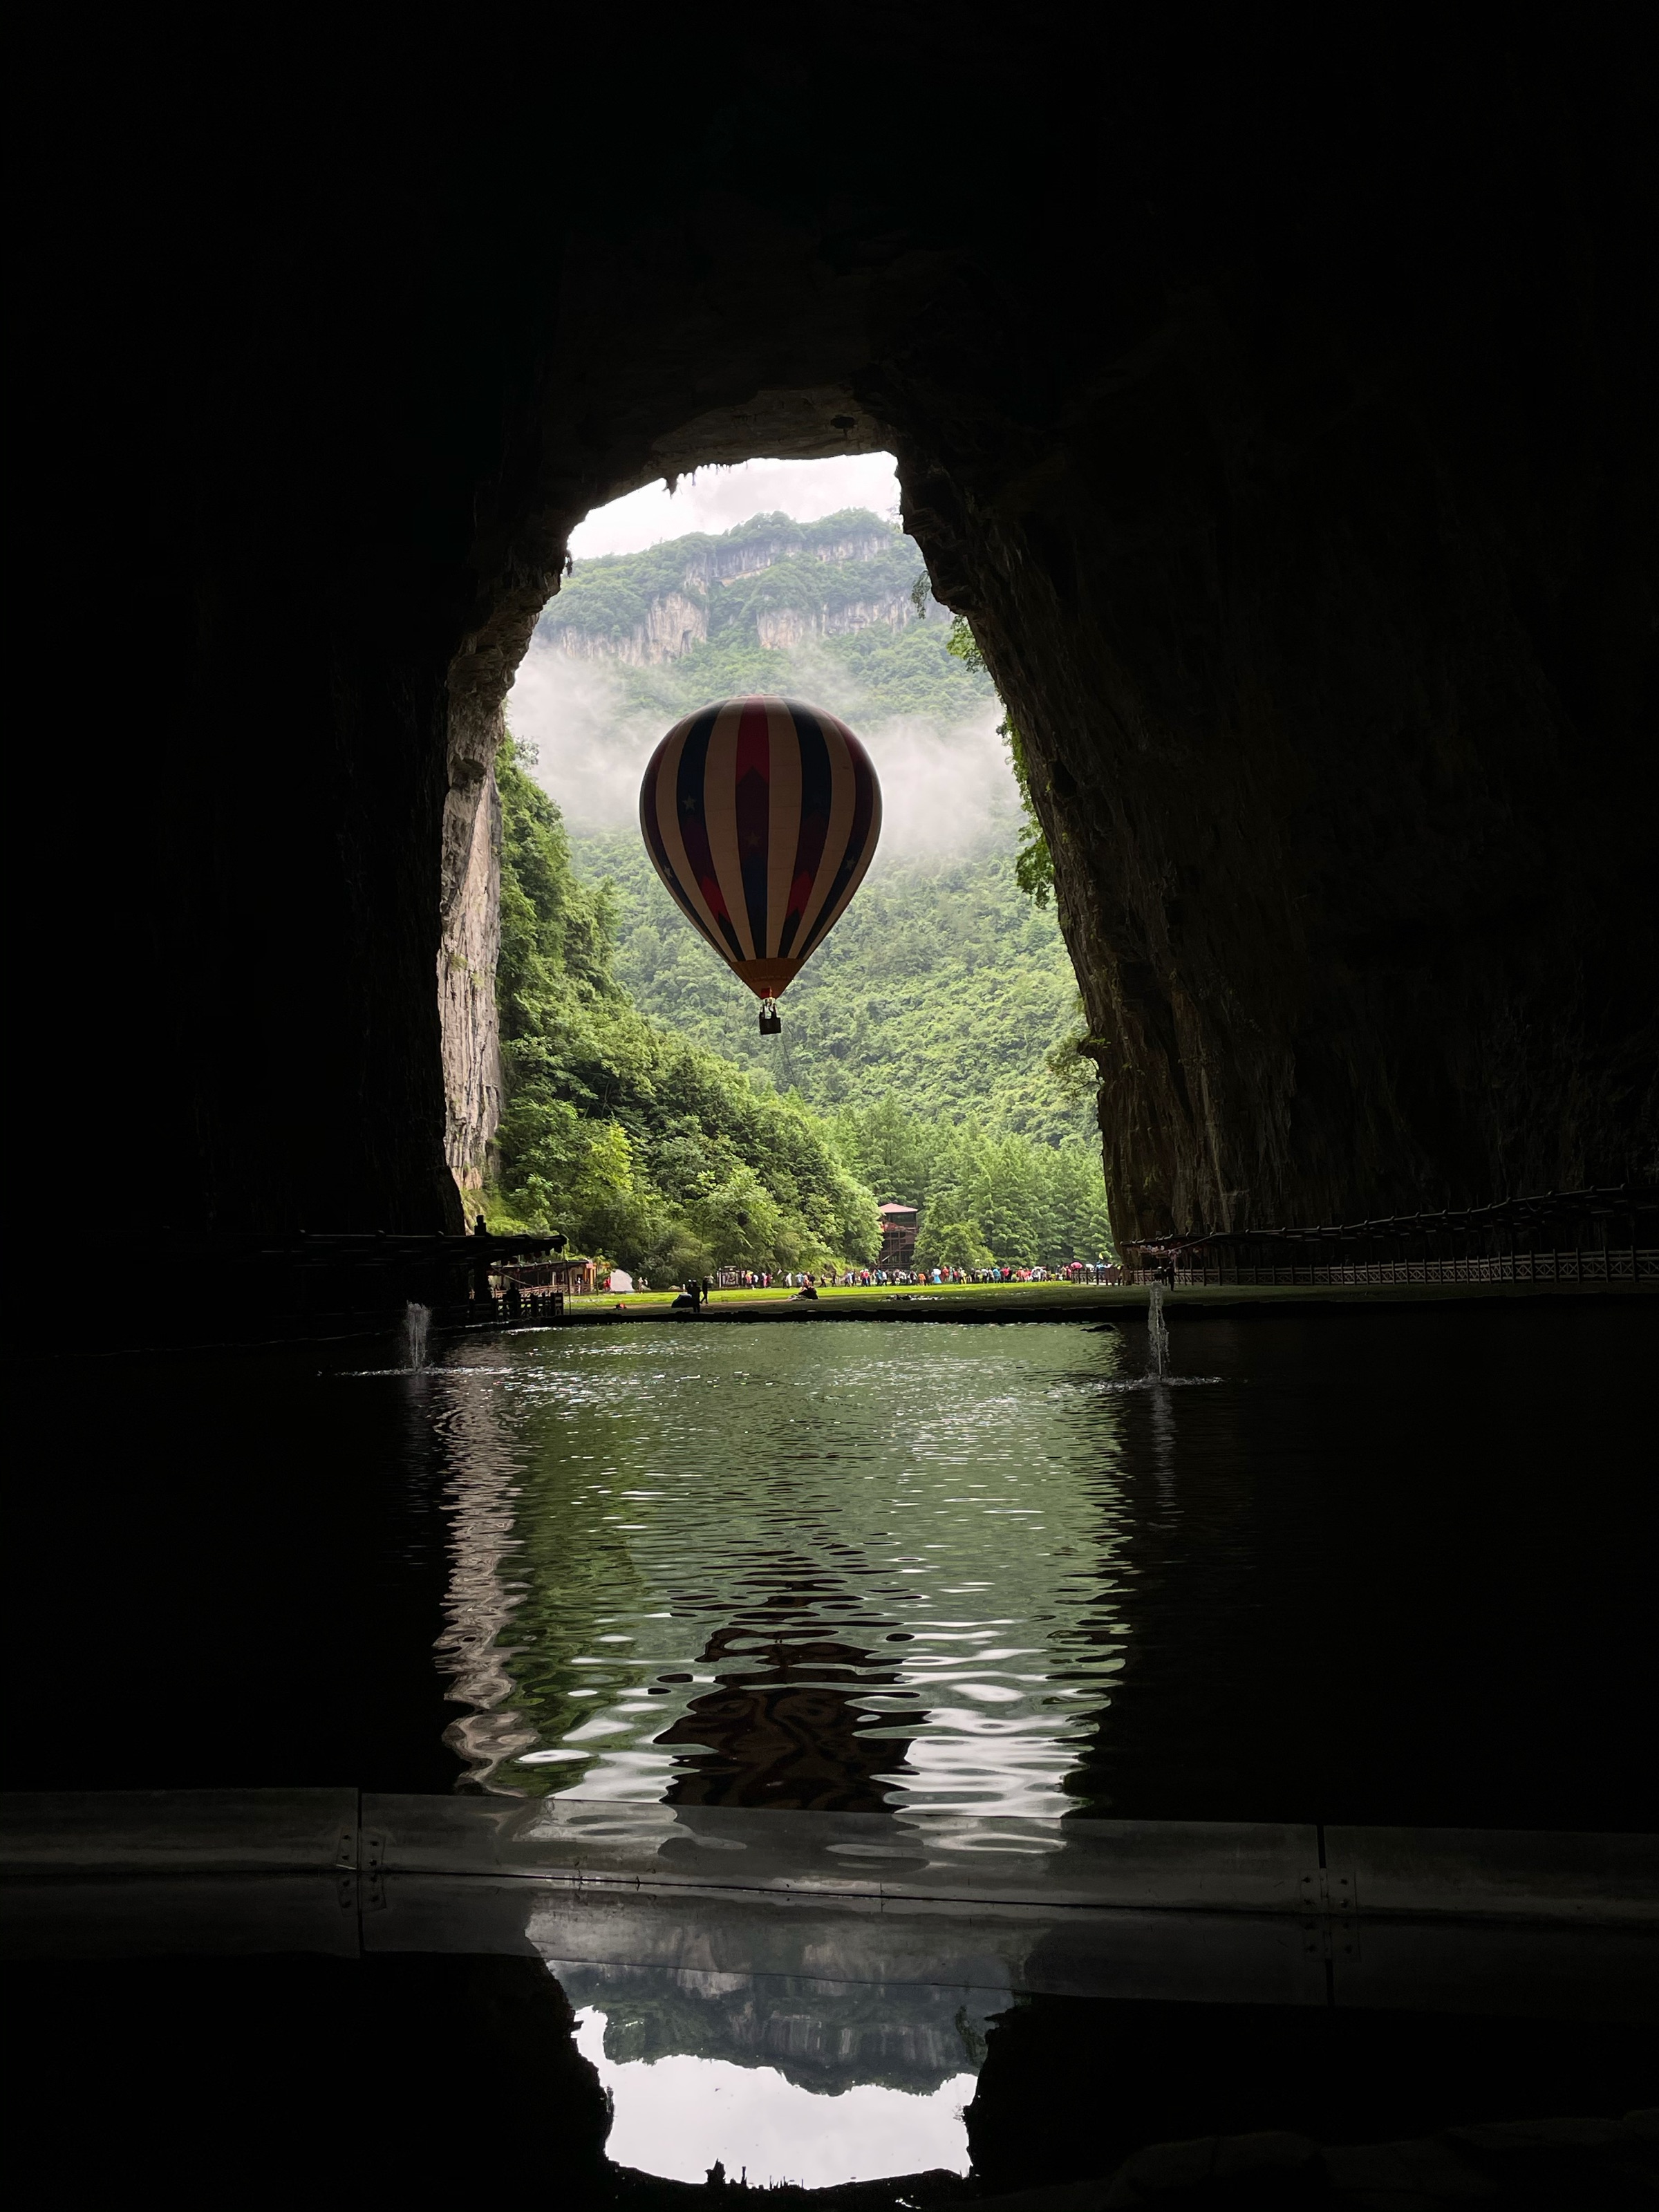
(1368,1572)
(836,1567)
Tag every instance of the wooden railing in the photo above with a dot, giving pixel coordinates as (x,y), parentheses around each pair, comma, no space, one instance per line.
(529,1307)
(1641,1265)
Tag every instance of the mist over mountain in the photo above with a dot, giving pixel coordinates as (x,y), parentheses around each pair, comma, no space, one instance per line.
(833,612)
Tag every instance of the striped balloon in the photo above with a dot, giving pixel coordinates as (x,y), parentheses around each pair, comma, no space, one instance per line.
(761,816)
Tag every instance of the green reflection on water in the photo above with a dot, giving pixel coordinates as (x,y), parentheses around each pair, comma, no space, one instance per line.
(822,1565)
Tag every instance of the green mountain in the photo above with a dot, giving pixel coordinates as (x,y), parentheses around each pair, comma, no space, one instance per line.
(927,1054)
(839,606)
(643,1144)
(640,1145)
(941,986)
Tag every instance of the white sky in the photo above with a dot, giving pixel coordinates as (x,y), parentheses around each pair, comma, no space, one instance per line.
(944,791)
(719,499)
(675,2116)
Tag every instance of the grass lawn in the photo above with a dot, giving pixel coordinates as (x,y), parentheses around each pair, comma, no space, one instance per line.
(1016,1301)
(854,1294)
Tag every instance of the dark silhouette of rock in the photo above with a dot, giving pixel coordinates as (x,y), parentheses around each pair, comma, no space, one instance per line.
(1282,428)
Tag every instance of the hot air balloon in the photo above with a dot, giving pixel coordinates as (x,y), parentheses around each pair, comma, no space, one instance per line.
(761,816)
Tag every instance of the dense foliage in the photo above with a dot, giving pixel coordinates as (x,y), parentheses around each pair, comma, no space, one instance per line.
(640,1145)
(645,1146)
(939,986)
(984,1194)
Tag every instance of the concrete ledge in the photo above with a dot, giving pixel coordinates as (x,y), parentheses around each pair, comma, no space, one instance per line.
(181,1830)
(1172,1865)
(1446,1921)
(1166,1866)
(1494,1969)
(1514,1874)
(203,1916)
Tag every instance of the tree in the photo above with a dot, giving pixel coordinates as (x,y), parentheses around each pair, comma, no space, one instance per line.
(952,1244)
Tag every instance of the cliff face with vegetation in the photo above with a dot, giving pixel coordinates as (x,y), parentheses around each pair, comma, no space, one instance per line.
(771,582)
(830,609)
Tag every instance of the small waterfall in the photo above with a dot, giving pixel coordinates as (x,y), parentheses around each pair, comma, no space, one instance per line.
(416,1322)
(1158,1333)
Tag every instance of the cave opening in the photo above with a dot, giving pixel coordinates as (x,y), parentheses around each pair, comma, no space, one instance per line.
(1287,446)
(932,1042)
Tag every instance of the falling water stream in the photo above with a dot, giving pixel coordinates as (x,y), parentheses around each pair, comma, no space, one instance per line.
(1157,1331)
(417,1321)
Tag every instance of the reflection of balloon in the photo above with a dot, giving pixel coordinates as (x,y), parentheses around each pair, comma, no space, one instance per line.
(761,816)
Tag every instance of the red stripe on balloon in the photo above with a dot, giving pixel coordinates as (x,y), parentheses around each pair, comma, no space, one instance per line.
(753,779)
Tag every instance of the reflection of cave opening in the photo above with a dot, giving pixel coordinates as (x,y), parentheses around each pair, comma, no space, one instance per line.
(786,1737)
(789,2078)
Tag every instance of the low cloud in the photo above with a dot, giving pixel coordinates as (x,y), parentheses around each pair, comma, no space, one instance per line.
(946,789)
(946,786)
(945,793)
(592,747)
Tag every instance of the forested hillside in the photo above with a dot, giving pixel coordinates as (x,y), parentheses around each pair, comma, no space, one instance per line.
(646,1145)
(941,985)
(640,1145)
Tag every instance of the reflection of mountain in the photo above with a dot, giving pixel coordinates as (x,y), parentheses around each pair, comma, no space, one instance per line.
(823,2035)
(479,1605)
(777,1734)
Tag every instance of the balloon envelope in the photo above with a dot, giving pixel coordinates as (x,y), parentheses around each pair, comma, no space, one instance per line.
(761,816)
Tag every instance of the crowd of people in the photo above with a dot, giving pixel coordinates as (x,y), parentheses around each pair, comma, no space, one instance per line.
(869,1278)
(896,1279)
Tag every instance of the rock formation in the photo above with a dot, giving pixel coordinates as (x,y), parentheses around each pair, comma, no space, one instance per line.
(825,579)
(1285,432)
(669,626)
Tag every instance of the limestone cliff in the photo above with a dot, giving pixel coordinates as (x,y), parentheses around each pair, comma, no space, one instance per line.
(669,626)
(785,627)
(470,896)
(773,581)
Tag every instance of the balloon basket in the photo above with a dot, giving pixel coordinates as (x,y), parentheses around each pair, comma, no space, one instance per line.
(769,1024)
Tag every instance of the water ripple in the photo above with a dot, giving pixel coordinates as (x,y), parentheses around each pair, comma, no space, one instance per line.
(783,1567)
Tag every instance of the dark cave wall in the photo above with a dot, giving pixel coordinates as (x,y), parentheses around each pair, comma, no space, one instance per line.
(1291,461)
(1304,511)
(1319,639)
